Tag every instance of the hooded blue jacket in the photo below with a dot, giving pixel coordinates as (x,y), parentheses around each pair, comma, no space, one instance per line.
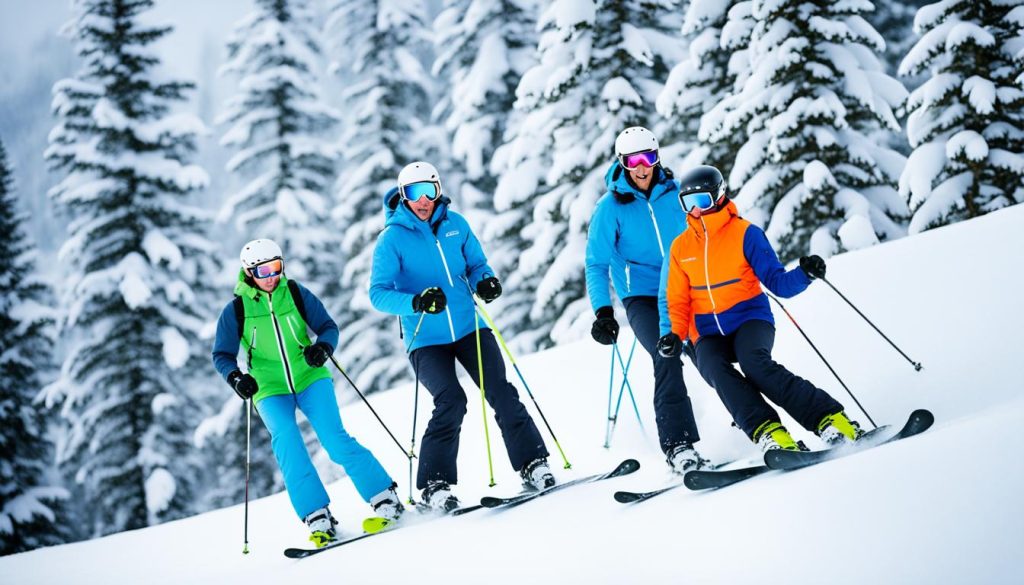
(629,238)
(412,255)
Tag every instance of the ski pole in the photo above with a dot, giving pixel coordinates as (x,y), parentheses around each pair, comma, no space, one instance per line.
(845,387)
(483,399)
(627,385)
(368,405)
(610,420)
(415,408)
(248,434)
(490,323)
(613,418)
(917,365)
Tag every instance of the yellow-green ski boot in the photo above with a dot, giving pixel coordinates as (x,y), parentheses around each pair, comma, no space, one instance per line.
(321,525)
(836,429)
(772,435)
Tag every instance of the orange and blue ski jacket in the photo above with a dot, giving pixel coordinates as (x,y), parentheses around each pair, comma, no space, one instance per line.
(715,272)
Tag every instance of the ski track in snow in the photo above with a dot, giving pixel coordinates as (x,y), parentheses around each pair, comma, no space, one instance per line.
(943,507)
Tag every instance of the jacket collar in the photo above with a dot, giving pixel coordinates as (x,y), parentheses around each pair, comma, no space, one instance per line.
(712,222)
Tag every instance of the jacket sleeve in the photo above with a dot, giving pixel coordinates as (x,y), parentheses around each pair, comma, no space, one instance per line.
(677,293)
(318,319)
(762,258)
(384,293)
(600,247)
(225,344)
(477,268)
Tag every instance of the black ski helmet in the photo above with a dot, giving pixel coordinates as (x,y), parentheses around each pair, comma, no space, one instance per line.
(704,179)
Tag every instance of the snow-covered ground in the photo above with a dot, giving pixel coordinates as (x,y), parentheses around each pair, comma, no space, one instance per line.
(944,507)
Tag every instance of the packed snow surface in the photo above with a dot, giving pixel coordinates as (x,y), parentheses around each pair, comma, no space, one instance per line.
(943,507)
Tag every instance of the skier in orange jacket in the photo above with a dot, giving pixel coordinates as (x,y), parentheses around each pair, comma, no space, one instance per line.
(718,310)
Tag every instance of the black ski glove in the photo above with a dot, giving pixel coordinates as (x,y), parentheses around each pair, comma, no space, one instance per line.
(605,329)
(243,384)
(488,289)
(669,346)
(813,266)
(316,355)
(431,300)
(689,350)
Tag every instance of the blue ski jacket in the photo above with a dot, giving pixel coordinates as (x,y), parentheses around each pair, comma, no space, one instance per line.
(629,239)
(412,255)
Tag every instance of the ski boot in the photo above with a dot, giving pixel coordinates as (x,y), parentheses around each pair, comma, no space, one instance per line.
(683,457)
(322,524)
(772,435)
(439,497)
(536,475)
(836,429)
(387,504)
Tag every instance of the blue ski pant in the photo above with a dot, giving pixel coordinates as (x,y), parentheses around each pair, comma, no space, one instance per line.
(744,394)
(320,406)
(673,411)
(435,366)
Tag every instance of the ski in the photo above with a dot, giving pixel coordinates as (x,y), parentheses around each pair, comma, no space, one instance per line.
(625,497)
(374,526)
(918,422)
(706,479)
(625,468)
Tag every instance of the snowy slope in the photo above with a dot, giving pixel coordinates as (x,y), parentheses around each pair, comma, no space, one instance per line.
(944,507)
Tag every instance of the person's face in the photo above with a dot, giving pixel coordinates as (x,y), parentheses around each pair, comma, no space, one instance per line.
(642,176)
(423,207)
(269,283)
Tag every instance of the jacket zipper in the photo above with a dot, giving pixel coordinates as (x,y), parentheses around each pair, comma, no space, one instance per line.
(451,327)
(280,347)
(707,277)
(657,232)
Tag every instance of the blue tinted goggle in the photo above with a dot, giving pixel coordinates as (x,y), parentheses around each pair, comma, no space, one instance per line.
(413,192)
(702,201)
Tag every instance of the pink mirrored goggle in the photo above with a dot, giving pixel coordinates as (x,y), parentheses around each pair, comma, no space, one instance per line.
(648,158)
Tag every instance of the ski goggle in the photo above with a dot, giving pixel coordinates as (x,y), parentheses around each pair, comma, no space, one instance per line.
(702,201)
(267,269)
(413,192)
(648,158)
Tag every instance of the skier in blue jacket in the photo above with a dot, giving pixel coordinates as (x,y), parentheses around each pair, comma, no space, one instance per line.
(630,234)
(426,265)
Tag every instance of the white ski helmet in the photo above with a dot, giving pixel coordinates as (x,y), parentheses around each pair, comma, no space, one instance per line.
(635,139)
(419,172)
(259,251)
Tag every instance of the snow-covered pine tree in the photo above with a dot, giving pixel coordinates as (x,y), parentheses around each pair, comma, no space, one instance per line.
(379,47)
(484,47)
(717,34)
(31,509)
(601,67)
(280,124)
(133,280)
(966,122)
(812,170)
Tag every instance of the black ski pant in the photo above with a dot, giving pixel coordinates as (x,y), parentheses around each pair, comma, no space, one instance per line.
(673,412)
(744,394)
(435,365)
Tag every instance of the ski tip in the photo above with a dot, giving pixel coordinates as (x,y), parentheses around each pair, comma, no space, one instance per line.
(922,419)
(625,497)
(627,466)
